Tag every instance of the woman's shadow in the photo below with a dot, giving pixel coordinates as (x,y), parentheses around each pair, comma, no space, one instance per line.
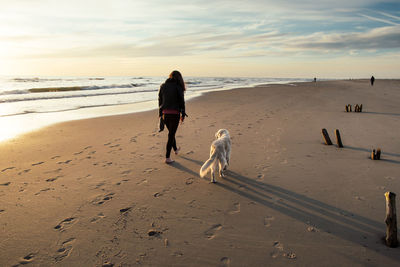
(324,217)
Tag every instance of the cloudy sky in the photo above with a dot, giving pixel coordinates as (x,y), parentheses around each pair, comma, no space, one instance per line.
(260,38)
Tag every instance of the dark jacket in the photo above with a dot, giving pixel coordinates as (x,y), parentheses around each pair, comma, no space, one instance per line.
(170,96)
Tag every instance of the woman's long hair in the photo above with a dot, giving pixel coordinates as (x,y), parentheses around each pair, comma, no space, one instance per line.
(177,76)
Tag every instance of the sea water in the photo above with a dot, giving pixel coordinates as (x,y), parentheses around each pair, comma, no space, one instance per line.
(29,103)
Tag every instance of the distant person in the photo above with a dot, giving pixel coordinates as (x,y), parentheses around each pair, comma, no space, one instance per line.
(171,103)
(315,79)
(372,80)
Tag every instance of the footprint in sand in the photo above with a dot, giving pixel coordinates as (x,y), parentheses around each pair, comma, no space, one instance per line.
(236,208)
(64,162)
(126,172)
(6,169)
(211,232)
(43,190)
(27,259)
(260,177)
(189,181)
(65,250)
(289,255)
(55,157)
(278,248)
(268,220)
(359,198)
(123,181)
(24,171)
(5,184)
(225,261)
(38,163)
(150,170)
(52,179)
(144,181)
(124,210)
(66,223)
(1,210)
(101,199)
(99,216)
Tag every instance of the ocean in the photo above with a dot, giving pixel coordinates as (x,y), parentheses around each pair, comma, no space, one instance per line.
(29,103)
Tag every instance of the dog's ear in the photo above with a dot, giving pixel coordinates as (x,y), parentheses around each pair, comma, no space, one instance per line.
(218,134)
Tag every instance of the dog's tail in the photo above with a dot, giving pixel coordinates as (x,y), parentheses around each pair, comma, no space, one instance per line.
(206,166)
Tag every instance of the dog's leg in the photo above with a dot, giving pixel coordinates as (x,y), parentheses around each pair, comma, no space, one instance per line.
(212,176)
(228,155)
(221,169)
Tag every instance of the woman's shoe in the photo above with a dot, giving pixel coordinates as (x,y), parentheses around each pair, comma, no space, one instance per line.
(169,160)
(177,150)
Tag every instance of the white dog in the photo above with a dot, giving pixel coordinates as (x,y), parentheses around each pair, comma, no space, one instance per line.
(220,153)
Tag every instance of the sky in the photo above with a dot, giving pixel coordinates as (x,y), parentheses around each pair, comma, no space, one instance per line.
(214,38)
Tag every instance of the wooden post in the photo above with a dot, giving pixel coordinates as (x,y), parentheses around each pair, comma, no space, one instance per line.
(338,139)
(347,108)
(391,220)
(373,155)
(378,154)
(361,108)
(326,137)
(356,108)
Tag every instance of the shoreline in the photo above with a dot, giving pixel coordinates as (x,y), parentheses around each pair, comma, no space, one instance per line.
(21,124)
(96,191)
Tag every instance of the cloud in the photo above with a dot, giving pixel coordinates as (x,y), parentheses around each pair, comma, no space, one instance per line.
(379,38)
(380,20)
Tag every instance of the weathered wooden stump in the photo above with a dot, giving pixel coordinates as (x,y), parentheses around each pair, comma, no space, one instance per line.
(373,155)
(326,137)
(378,154)
(356,108)
(391,220)
(338,138)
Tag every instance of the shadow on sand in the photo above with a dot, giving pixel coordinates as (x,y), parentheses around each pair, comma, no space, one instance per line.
(383,153)
(381,113)
(324,217)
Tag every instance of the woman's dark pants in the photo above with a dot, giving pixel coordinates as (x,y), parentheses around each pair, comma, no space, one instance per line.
(172,122)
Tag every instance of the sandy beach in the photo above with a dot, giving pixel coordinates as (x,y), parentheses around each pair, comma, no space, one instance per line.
(96,192)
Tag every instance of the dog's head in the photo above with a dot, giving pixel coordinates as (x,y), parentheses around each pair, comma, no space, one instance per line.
(221,132)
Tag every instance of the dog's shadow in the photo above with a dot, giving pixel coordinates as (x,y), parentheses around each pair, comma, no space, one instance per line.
(313,213)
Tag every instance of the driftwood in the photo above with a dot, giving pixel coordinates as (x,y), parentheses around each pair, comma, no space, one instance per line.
(338,138)
(391,220)
(326,137)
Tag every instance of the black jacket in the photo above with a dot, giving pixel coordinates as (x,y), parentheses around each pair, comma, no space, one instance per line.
(170,96)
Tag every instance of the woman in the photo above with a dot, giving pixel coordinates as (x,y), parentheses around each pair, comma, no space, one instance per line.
(171,104)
